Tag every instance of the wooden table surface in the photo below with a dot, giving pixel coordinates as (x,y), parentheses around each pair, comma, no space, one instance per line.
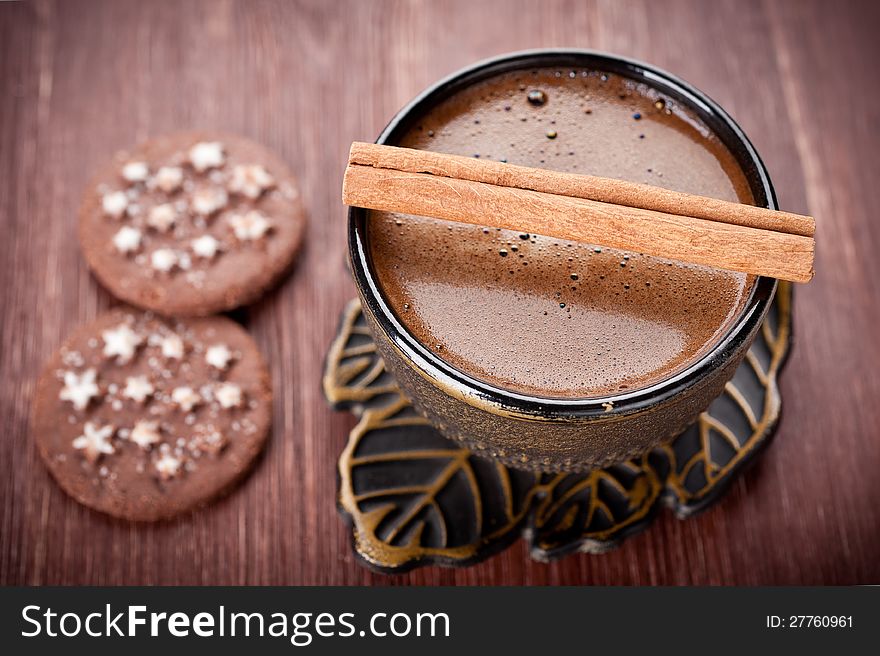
(79,80)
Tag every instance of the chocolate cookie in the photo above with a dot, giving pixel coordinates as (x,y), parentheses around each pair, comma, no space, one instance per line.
(144,418)
(191,224)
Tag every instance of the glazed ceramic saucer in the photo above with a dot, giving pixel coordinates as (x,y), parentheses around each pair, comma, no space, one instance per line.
(414,498)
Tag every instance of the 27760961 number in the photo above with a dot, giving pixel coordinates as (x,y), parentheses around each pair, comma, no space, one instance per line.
(810,621)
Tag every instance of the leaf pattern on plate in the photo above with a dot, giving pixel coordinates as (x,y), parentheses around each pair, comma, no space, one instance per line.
(413,495)
(593,511)
(354,372)
(415,498)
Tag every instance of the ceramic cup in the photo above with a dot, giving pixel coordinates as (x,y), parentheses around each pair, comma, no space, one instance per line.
(559,434)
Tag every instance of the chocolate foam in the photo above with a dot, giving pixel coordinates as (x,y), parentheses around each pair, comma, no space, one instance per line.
(543,316)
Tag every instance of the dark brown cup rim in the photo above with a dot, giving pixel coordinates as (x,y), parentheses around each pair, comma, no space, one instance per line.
(497,399)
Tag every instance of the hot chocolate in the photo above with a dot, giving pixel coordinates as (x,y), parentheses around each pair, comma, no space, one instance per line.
(542,316)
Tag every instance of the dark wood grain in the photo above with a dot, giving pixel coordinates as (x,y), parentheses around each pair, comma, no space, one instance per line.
(79,80)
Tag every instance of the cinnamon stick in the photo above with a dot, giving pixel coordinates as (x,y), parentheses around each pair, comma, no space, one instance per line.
(737,237)
(589,187)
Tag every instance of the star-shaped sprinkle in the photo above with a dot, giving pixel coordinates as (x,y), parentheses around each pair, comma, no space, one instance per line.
(205,246)
(127,240)
(121,342)
(79,389)
(162,217)
(95,441)
(145,434)
(213,441)
(250,180)
(138,388)
(208,200)
(114,203)
(163,259)
(168,466)
(228,395)
(172,347)
(218,356)
(250,226)
(169,178)
(206,155)
(186,398)
(135,171)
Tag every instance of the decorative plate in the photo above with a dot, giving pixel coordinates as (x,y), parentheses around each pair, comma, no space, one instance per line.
(414,498)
